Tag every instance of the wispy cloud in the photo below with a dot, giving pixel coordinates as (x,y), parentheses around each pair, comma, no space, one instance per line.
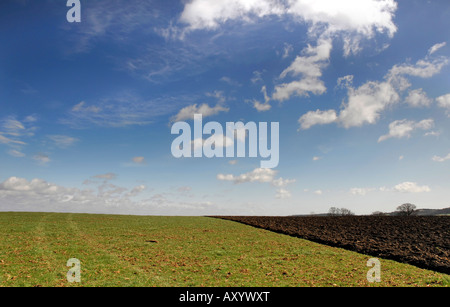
(42,159)
(62,141)
(115,23)
(441,159)
(403,128)
(124,109)
(261,175)
(15,133)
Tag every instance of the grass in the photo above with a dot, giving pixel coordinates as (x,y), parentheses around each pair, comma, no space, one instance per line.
(136,251)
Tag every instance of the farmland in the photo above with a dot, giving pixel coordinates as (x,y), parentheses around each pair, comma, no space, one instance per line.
(144,251)
(423,241)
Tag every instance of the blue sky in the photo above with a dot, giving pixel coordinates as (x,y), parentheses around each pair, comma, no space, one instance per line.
(360,89)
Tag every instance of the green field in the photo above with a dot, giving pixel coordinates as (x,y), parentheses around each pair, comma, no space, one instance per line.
(178,251)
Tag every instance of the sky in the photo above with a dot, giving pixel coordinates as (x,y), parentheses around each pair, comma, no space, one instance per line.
(360,90)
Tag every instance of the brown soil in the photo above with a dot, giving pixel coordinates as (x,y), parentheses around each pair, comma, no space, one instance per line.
(423,241)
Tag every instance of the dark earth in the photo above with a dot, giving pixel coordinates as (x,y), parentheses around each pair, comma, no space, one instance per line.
(422,241)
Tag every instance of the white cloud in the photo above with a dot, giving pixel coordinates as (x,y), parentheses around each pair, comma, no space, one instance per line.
(444,102)
(188,112)
(257,175)
(262,107)
(205,14)
(317,118)
(361,16)
(318,192)
(366,103)
(424,68)
(261,175)
(360,191)
(345,82)
(418,98)
(411,187)
(355,20)
(283,194)
(404,128)
(441,159)
(436,47)
(40,195)
(309,67)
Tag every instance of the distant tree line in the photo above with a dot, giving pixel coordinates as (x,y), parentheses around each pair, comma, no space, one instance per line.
(406,209)
(339,212)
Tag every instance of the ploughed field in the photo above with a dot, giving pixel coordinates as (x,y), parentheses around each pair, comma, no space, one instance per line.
(423,241)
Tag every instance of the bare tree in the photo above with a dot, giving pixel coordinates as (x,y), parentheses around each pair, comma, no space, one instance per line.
(345,211)
(334,211)
(339,211)
(406,209)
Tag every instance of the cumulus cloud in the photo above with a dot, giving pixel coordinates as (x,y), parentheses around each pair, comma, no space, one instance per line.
(365,104)
(418,98)
(188,112)
(262,107)
(411,187)
(260,175)
(317,118)
(354,20)
(424,68)
(209,15)
(361,16)
(309,66)
(39,195)
(444,102)
(404,128)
